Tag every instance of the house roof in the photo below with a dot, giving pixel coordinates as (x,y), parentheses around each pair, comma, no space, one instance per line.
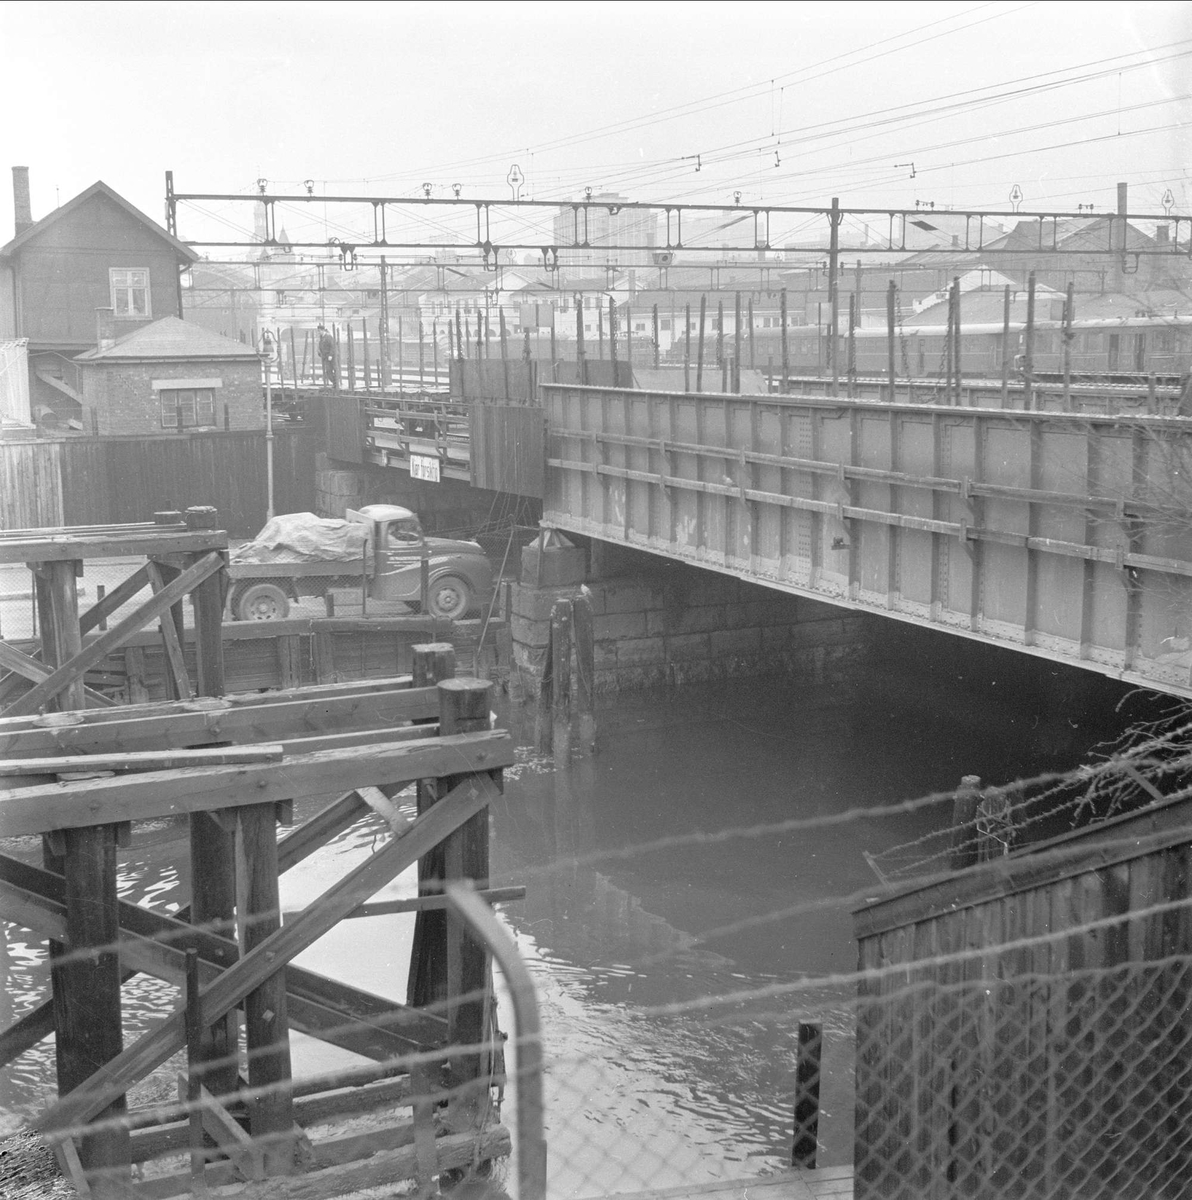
(99,188)
(171,338)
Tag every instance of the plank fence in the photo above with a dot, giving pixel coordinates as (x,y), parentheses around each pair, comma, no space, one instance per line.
(1022,1025)
(111,480)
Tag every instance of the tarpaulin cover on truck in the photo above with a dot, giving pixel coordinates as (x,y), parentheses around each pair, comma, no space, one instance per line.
(303,537)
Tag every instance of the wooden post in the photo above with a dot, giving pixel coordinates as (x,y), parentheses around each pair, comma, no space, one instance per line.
(434,662)
(560,640)
(964,823)
(752,347)
(612,338)
(207,599)
(699,360)
(266,1027)
(364,355)
(891,296)
(351,359)
(1028,348)
(58,601)
(657,337)
(786,355)
(1006,347)
(464,708)
(687,348)
(87,993)
(737,345)
(1069,305)
(807,1094)
(504,336)
(585,672)
(194,1079)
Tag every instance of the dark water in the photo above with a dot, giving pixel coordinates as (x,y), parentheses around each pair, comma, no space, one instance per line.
(676,935)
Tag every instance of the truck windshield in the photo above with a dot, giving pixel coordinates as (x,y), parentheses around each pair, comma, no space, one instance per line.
(405,532)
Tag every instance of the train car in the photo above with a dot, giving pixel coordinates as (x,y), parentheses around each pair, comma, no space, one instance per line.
(1119,349)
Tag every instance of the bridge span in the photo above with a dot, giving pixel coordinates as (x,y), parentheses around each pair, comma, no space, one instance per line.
(1059,534)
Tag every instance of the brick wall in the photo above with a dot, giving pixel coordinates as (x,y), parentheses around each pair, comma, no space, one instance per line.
(681,625)
(123,400)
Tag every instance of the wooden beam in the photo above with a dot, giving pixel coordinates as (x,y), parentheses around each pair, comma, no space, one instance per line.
(31,669)
(149,761)
(153,708)
(384,808)
(148,794)
(118,597)
(102,646)
(372,1170)
(57,548)
(173,628)
(263,961)
(157,944)
(224,1130)
(220,720)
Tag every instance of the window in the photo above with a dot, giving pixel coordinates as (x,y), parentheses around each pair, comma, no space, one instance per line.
(130,293)
(183,407)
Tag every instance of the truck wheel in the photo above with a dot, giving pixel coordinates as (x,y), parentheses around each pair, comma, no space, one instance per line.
(449,596)
(262,602)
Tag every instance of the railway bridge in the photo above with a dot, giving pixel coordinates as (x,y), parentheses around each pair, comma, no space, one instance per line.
(1058,534)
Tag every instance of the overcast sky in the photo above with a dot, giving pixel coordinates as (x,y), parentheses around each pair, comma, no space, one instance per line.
(787,103)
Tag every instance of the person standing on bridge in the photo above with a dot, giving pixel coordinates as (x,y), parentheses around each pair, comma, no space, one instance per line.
(327,354)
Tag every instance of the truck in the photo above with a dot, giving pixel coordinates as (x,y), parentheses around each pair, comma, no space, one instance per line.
(380,548)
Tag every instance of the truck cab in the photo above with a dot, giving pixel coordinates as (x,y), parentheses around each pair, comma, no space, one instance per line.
(459,574)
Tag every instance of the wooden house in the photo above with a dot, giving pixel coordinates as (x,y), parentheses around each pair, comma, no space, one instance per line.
(94,252)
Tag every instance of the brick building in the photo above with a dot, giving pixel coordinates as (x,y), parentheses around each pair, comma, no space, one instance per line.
(96,251)
(168,377)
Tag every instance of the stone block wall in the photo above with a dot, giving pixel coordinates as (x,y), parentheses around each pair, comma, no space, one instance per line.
(678,624)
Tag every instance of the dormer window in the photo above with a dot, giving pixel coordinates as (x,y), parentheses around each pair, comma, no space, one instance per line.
(130,292)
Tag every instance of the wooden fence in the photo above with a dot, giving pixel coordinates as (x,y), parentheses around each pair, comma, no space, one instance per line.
(1022,1026)
(112,480)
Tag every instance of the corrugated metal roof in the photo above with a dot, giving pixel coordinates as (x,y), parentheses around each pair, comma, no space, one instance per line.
(171,338)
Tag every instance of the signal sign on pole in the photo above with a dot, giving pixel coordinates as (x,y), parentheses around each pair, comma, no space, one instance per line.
(515,179)
(1016,196)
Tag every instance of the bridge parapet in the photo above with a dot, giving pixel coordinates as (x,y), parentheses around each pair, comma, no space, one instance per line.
(1064,535)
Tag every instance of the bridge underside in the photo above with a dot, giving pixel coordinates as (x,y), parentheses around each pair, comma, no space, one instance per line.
(1062,535)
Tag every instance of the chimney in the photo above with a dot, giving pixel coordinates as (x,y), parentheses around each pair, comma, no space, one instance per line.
(22,209)
(1122,189)
(105,328)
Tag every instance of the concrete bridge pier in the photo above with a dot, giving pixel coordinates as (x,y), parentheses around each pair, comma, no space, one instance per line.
(661,623)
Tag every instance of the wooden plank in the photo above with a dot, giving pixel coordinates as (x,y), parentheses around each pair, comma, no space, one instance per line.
(172,628)
(116,636)
(119,596)
(354,687)
(375,1170)
(247,1157)
(146,761)
(151,1050)
(162,793)
(365,737)
(157,944)
(223,720)
(59,548)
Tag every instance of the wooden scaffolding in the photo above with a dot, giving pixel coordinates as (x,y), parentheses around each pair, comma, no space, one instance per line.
(231,767)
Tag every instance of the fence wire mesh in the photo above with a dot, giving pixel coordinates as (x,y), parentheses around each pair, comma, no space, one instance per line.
(1016,1031)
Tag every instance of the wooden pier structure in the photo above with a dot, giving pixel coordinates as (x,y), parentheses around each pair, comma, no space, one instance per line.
(78,770)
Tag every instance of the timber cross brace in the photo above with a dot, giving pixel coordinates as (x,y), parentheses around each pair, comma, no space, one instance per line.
(245,760)
(186,555)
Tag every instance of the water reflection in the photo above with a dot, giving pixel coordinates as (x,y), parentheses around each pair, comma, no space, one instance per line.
(636,929)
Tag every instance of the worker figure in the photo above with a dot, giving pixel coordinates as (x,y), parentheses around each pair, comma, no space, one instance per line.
(327,354)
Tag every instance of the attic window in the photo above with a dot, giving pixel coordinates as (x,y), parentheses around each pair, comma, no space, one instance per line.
(130,292)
